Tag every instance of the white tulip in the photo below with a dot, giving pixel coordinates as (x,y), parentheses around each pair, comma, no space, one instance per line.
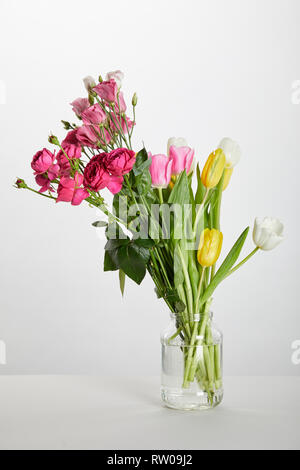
(177,142)
(117,76)
(232,151)
(267,233)
(89,83)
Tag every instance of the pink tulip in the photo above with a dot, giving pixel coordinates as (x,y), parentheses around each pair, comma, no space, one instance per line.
(80,105)
(69,190)
(182,158)
(160,170)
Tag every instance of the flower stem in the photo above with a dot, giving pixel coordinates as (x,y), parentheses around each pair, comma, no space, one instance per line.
(243,262)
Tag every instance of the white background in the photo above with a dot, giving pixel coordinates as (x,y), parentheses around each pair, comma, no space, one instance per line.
(202,70)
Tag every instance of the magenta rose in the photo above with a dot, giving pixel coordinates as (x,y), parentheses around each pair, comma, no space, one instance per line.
(80,105)
(96,176)
(42,161)
(119,161)
(93,115)
(107,91)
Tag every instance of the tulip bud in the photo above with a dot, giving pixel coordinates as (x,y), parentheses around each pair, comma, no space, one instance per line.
(20,184)
(210,246)
(100,79)
(134,100)
(53,140)
(213,169)
(267,233)
(89,83)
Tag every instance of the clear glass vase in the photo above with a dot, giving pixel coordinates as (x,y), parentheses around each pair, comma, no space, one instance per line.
(192,363)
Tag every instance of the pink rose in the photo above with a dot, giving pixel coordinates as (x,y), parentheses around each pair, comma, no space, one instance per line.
(69,190)
(96,176)
(94,115)
(90,136)
(42,161)
(119,161)
(182,159)
(160,170)
(71,138)
(80,105)
(107,91)
(72,148)
(64,164)
(71,145)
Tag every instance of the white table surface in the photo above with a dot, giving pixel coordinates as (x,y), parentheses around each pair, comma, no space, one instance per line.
(81,412)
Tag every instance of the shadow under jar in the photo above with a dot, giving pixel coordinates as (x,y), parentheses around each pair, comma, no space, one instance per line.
(192,363)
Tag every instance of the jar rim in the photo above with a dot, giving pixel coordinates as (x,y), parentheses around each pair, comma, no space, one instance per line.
(196,316)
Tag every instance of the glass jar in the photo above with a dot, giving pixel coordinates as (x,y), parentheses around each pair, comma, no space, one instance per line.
(192,363)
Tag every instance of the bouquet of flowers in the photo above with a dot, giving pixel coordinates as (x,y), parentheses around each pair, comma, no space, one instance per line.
(164,220)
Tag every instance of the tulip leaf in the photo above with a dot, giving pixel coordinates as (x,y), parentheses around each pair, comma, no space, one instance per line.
(122,277)
(180,194)
(200,188)
(225,267)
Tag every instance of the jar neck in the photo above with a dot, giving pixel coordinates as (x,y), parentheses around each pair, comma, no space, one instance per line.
(195,317)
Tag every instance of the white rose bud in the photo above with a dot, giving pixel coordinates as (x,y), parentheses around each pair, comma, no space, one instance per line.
(89,83)
(267,233)
(117,76)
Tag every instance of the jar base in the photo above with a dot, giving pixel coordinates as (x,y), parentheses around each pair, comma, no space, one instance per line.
(181,399)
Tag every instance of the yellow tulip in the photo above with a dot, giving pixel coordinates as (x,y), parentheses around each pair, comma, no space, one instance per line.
(227,176)
(213,169)
(209,247)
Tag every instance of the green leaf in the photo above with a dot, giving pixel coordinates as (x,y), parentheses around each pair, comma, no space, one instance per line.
(144,242)
(131,261)
(200,188)
(99,223)
(180,194)
(225,267)
(113,245)
(110,262)
(122,277)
